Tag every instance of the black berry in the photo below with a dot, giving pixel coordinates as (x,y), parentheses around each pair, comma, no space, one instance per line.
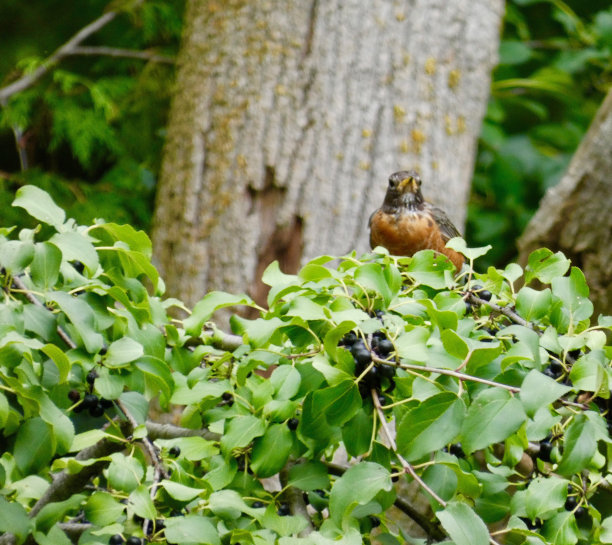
(133,540)
(485,295)
(257,504)
(556,367)
(349,339)
(74,396)
(90,401)
(78,266)
(283,510)
(549,373)
(362,355)
(91,376)
(117,539)
(571,503)
(456,450)
(174,451)
(580,513)
(293,423)
(387,371)
(103,350)
(545,450)
(106,403)
(385,346)
(97,410)
(227,396)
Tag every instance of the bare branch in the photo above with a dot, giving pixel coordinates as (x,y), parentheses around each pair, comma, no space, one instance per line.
(65,50)
(121,53)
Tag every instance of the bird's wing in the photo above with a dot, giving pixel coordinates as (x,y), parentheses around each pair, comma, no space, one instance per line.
(447,228)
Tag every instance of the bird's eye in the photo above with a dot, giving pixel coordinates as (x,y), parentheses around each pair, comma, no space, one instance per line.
(419,181)
(392,183)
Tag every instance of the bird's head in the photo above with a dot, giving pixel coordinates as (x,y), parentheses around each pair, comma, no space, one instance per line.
(404,189)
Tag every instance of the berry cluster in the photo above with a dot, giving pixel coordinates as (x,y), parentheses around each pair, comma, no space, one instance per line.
(91,402)
(378,345)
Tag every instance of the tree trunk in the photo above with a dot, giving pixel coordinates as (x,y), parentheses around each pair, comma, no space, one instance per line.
(575,217)
(288,118)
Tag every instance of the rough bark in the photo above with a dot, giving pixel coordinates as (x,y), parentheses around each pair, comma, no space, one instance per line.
(288,118)
(574,216)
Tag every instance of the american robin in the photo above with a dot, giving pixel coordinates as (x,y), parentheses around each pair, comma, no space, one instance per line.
(406,223)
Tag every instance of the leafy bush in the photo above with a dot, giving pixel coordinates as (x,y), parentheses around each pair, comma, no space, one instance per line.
(499,398)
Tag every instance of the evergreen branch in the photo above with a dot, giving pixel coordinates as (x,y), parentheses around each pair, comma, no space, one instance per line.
(63,51)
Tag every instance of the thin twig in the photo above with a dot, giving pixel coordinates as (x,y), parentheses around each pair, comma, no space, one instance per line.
(405,464)
(509,313)
(30,297)
(147,443)
(121,53)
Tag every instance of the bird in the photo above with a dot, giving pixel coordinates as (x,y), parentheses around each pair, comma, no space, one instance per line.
(407,223)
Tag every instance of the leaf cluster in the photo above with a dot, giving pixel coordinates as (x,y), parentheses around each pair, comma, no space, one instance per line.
(499,397)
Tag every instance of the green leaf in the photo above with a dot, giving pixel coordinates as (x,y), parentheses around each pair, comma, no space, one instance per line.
(77,246)
(124,473)
(532,304)
(103,509)
(591,372)
(463,525)
(39,205)
(428,427)
(137,404)
(544,265)
(492,417)
(206,307)
(240,431)
(82,317)
(122,352)
(34,446)
(543,497)
(311,475)
(15,255)
(190,529)
(338,403)
(430,269)
(136,240)
(459,245)
(513,52)
(411,345)
(561,529)
(371,277)
(46,264)
(56,511)
(140,502)
(579,446)
(574,293)
(180,491)
(357,433)
(55,537)
(227,504)
(13,519)
(271,451)
(60,359)
(358,486)
(605,532)
(539,390)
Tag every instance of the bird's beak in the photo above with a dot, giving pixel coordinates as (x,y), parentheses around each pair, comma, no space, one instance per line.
(409,184)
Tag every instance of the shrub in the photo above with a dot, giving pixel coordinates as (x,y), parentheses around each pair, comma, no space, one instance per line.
(499,397)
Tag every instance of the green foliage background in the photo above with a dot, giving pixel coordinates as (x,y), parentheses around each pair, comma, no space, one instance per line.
(94,127)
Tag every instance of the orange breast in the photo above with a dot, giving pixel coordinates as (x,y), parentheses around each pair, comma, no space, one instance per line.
(409,232)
